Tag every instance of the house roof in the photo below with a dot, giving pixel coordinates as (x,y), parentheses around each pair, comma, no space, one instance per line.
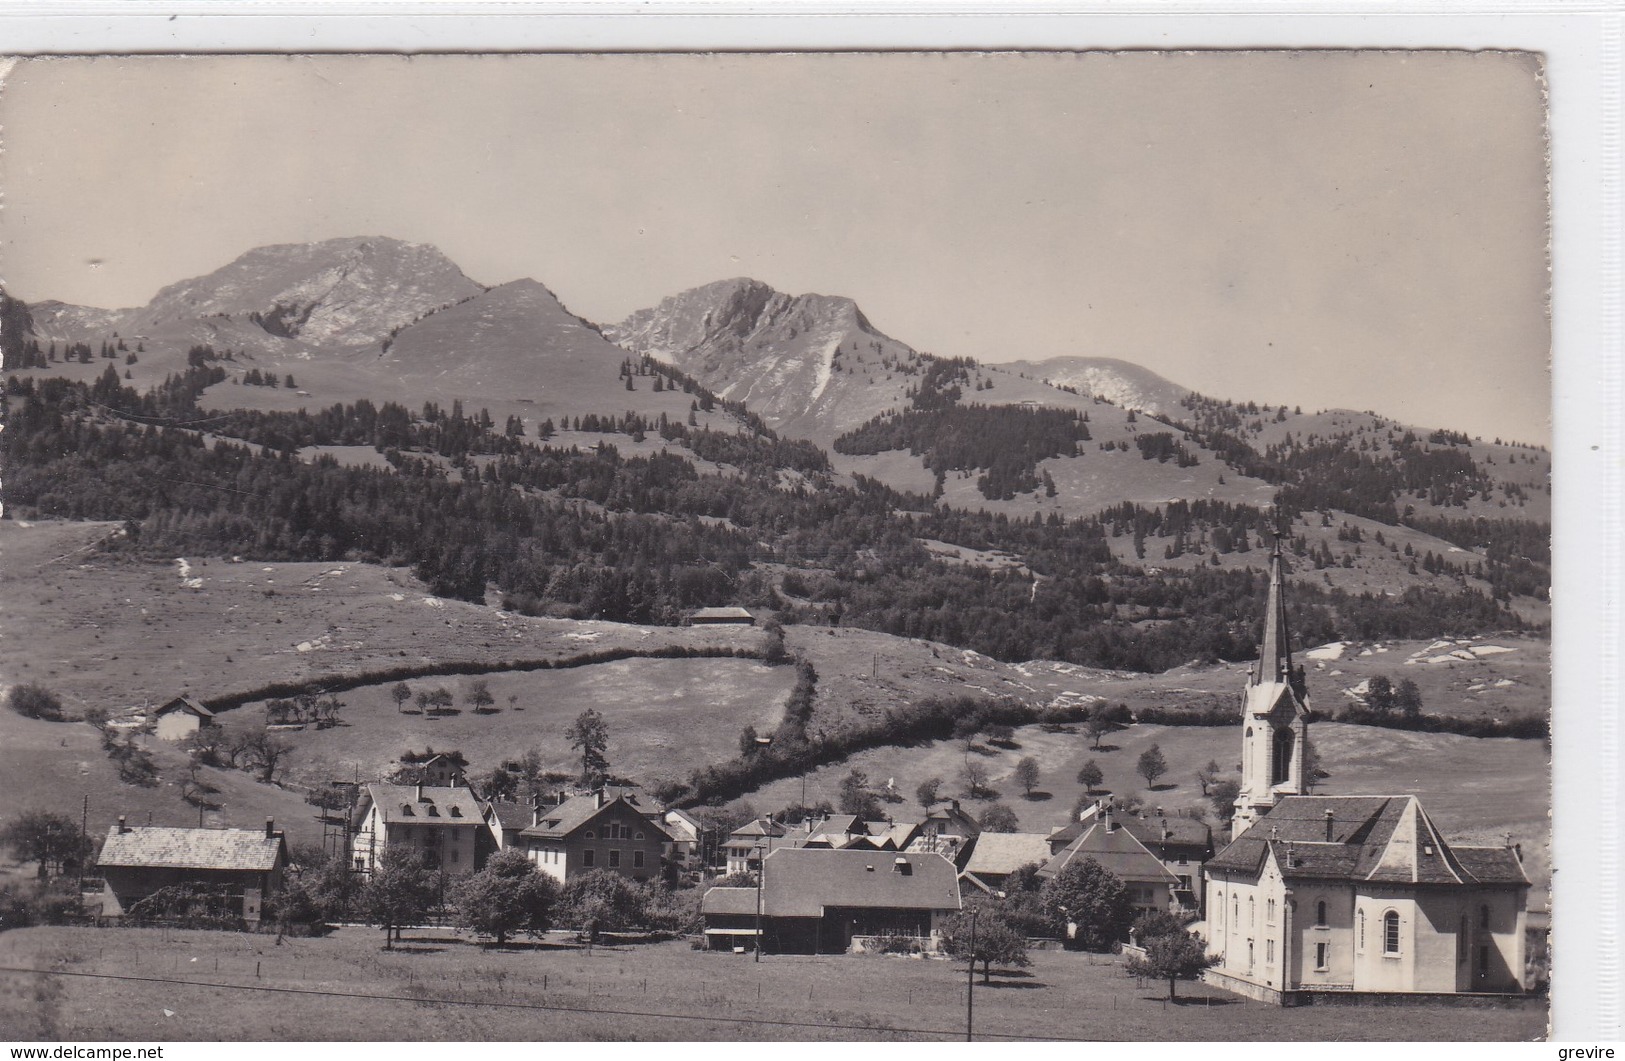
(1004,853)
(737,614)
(184,703)
(803,882)
(164,847)
(1376,838)
(1118,852)
(511,815)
(1183,832)
(728,901)
(756,828)
(686,827)
(560,821)
(439,805)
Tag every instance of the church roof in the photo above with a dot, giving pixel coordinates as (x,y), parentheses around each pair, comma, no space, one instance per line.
(1373,838)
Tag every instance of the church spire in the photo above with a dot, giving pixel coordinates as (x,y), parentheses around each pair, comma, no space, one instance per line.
(1275,651)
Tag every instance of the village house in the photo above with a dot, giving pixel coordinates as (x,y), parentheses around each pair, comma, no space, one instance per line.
(181,718)
(603,830)
(684,830)
(745,846)
(995,856)
(1151,886)
(822,901)
(247,864)
(444,824)
(948,831)
(1346,893)
(1182,844)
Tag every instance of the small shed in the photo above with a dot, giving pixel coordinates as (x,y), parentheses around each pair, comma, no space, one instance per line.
(181,717)
(721,617)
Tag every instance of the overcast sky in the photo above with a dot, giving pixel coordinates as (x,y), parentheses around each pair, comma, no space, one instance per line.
(1323,229)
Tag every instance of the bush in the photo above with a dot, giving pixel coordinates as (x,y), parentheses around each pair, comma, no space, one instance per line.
(35,701)
(23,905)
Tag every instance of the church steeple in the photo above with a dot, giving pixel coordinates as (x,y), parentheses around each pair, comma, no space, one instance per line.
(1274,713)
(1275,651)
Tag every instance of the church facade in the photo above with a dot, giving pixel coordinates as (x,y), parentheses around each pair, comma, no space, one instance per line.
(1320,894)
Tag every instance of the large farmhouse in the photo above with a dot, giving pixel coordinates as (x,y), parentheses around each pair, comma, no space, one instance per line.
(244,864)
(1346,893)
(819,900)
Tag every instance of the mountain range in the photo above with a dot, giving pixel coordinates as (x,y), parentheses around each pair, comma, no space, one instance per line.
(387,320)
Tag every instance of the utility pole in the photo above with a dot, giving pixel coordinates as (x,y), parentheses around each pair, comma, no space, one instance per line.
(970,978)
(761,866)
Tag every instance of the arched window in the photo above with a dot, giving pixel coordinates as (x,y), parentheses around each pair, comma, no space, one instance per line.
(1362,931)
(1252,911)
(1282,768)
(1320,913)
(1390,932)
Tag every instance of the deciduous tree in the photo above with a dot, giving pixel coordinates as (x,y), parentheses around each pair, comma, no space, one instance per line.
(1090,776)
(51,840)
(1086,895)
(1151,765)
(589,736)
(509,895)
(399,892)
(991,940)
(1027,775)
(999,819)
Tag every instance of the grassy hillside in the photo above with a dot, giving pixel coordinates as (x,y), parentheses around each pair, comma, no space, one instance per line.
(665,717)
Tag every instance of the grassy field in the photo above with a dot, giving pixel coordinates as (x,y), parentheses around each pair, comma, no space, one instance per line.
(665,716)
(104,631)
(1476,790)
(662,991)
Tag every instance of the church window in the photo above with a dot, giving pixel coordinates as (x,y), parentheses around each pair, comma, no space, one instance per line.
(1484,916)
(1320,913)
(1282,771)
(1390,932)
(1269,952)
(1269,910)
(1252,911)
(1322,956)
(1249,955)
(1362,931)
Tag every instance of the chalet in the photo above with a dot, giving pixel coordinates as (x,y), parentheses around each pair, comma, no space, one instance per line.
(246,863)
(817,901)
(442,770)
(995,856)
(180,718)
(1151,886)
(604,830)
(443,823)
(721,617)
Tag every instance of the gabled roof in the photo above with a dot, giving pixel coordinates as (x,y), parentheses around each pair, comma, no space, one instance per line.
(440,805)
(757,828)
(184,703)
(803,882)
(1004,853)
(1117,851)
(557,822)
(164,847)
(1377,838)
(511,815)
(728,901)
(686,827)
(1185,832)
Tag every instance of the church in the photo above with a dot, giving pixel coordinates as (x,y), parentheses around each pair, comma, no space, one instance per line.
(1346,893)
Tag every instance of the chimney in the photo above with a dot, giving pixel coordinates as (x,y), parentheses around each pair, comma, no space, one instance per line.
(270,830)
(419,794)
(1328,825)
(955,804)
(122,828)
(598,798)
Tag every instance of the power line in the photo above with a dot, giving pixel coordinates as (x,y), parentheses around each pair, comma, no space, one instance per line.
(945,1033)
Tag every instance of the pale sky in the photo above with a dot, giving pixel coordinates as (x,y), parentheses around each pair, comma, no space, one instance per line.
(1365,230)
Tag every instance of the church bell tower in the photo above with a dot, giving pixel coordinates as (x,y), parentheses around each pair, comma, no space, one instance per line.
(1274,714)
